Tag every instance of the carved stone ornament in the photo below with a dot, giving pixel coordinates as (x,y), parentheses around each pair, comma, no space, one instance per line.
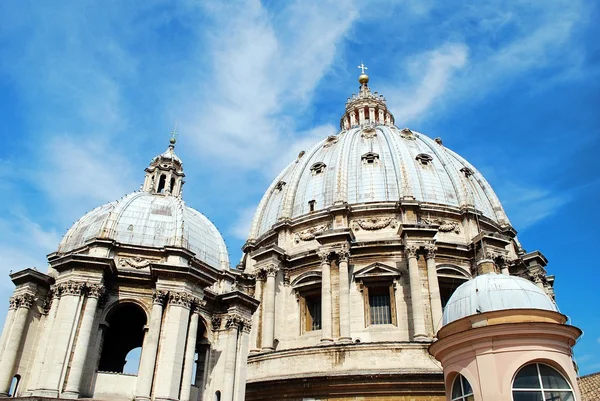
(368,132)
(309,234)
(272,270)
(197,303)
(238,321)
(286,277)
(23,300)
(180,299)
(95,290)
(331,140)
(12,303)
(445,226)
(374,223)
(411,251)
(406,133)
(343,254)
(136,262)
(48,301)
(324,256)
(160,297)
(71,287)
(216,322)
(430,251)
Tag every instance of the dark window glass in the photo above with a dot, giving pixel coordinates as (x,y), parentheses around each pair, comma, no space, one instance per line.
(527,377)
(313,307)
(379,305)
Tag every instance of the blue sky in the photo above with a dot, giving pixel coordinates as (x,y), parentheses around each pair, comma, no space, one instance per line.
(90,90)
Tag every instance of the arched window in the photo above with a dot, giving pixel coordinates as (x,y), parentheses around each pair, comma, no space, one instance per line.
(125,333)
(161,184)
(449,279)
(14,386)
(461,389)
(537,381)
(217,395)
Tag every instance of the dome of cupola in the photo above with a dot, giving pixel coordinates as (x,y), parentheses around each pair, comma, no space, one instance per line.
(493,292)
(154,217)
(372,161)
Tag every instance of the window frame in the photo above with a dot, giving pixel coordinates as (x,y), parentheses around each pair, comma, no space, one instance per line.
(462,396)
(368,288)
(307,286)
(541,390)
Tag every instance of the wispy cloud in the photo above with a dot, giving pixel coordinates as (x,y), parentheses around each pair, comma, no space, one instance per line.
(527,206)
(431,72)
(265,67)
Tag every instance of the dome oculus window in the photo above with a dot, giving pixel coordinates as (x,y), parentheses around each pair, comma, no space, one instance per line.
(537,381)
(462,390)
(279,186)
(466,171)
(370,158)
(424,158)
(318,168)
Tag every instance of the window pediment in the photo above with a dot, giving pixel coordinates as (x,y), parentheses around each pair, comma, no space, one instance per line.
(375,271)
(306,279)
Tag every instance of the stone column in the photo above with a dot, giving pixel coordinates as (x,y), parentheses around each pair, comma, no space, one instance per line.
(150,348)
(326,332)
(170,361)
(416,296)
(14,339)
(62,334)
(345,334)
(95,291)
(190,353)
(256,319)
(45,348)
(268,329)
(434,289)
(235,324)
(202,369)
(241,368)
(7,324)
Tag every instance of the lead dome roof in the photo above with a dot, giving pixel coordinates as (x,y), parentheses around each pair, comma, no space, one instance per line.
(375,163)
(493,292)
(151,220)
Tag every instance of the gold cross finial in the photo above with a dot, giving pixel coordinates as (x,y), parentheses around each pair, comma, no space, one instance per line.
(362,67)
(174,133)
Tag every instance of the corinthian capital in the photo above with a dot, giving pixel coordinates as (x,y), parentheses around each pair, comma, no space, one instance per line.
(72,287)
(180,299)
(272,270)
(95,291)
(238,321)
(24,300)
(324,255)
(411,251)
(12,303)
(430,251)
(160,297)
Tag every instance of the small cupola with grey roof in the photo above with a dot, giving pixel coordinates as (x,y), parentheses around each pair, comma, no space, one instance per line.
(165,174)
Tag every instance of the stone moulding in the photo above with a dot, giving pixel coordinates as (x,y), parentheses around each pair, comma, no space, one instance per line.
(374,223)
(445,226)
(136,262)
(309,234)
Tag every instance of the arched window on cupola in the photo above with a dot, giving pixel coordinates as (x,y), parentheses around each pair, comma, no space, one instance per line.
(161,184)
(172,188)
(123,339)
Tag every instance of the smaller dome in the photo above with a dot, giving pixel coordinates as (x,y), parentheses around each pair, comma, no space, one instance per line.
(492,292)
(151,220)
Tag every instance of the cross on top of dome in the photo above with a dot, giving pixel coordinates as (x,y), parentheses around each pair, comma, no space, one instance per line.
(366,108)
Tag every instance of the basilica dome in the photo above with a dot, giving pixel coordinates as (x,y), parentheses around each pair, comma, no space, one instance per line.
(154,217)
(372,161)
(492,292)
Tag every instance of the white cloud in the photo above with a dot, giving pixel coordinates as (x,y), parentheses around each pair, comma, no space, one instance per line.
(265,67)
(80,174)
(527,206)
(432,72)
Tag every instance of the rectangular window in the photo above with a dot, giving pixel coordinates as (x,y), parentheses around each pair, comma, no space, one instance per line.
(380,309)
(313,313)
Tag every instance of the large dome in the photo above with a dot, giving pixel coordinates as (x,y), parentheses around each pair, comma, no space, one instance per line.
(492,292)
(151,220)
(375,163)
